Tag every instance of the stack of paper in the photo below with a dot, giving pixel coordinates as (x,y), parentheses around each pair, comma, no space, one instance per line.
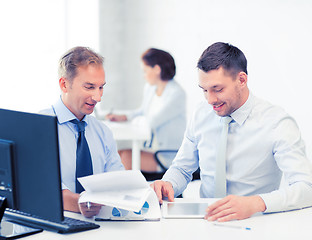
(121,189)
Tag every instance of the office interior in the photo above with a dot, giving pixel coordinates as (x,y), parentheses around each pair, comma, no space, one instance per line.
(274,35)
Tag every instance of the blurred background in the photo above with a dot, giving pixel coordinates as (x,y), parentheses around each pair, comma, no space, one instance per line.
(275,36)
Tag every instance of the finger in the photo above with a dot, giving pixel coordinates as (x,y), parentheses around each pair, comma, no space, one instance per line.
(213,207)
(219,209)
(169,192)
(229,217)
(219,215)
(157,185)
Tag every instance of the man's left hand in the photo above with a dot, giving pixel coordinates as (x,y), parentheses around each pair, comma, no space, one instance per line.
(234,208)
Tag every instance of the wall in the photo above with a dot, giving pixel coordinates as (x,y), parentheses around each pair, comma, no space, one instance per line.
(34,35)
(274,35)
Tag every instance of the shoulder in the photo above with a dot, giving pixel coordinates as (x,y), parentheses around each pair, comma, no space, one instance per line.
(100,130)
(265,110)
(174,88)
(174,85)
(272,116)
(47,111)
(98,125)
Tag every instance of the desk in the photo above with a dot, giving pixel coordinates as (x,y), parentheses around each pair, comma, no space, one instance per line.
(285,226)
(137,131)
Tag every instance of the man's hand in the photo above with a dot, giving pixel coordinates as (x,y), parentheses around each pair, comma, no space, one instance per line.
(163,189)
(234,208)
(89,209)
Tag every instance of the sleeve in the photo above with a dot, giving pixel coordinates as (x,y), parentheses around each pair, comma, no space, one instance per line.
(289,153)
(185,163)
(113,159)
(64,187)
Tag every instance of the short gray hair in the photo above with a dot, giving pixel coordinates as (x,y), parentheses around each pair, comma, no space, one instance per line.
(75,58)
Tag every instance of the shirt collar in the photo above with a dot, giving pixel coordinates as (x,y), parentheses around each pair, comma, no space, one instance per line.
(64,114)
(241,114)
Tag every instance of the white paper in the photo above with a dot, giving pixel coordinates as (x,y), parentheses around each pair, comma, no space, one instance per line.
(122,189)
(149,212)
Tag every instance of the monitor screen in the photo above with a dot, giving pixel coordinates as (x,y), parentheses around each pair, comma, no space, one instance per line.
(29,150)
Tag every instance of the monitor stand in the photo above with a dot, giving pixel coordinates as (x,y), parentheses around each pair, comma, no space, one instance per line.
(10,230)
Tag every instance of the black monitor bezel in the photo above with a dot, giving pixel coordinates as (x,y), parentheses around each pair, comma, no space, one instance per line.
(36,162)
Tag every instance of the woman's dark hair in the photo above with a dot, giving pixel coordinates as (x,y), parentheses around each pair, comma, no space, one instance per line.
(164,60)
(224,55)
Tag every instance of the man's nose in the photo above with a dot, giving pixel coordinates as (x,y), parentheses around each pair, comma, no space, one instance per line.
(97,95)
(211,98)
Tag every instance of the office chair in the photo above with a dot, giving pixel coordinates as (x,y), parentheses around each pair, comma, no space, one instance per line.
(164,159)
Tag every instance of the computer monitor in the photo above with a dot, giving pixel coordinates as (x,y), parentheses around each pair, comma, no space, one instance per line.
(29,164)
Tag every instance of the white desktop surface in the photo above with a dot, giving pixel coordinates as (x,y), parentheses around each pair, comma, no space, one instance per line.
(136,131)
(286,225)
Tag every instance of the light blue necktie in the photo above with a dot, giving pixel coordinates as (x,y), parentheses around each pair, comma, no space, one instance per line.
(220,174)
(83,156)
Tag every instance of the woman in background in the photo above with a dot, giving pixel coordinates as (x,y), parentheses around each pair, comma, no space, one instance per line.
(163,106)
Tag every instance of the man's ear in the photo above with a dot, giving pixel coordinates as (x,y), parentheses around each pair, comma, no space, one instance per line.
(242,77)
(63,82)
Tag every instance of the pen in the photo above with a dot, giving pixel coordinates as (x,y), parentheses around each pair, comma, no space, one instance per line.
(231,226)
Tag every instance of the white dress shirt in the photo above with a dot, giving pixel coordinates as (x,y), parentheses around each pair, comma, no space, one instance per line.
(168,119)
(264,142)
(100,140)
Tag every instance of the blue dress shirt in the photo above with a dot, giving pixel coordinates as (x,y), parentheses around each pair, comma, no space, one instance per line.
(100,140)
(264,142)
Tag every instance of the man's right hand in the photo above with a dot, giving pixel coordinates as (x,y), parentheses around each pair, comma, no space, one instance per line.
(163,189)
(89,209)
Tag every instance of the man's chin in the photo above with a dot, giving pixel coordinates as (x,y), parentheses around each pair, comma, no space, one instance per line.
(88,111)
(222,114)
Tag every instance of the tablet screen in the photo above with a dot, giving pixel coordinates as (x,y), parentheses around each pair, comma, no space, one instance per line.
(184,209)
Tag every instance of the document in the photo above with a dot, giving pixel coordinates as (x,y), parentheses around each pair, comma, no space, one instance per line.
(150,211)
(126,190)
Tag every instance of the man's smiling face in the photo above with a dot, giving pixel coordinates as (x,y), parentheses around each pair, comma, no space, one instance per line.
(81,94)
(223,92)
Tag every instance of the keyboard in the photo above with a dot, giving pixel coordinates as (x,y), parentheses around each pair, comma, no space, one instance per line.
(68,225)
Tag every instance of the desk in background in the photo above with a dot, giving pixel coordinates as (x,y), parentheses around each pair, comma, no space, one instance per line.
(136,131)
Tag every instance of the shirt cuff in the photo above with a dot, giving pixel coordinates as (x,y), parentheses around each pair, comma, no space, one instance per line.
(64,187)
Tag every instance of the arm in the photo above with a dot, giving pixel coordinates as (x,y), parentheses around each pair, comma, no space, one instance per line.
(288,152)
(113,161)
(147,93)
(116,117)
(185,163)
(70,201)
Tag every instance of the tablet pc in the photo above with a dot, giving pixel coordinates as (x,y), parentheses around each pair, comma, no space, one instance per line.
(184,209)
